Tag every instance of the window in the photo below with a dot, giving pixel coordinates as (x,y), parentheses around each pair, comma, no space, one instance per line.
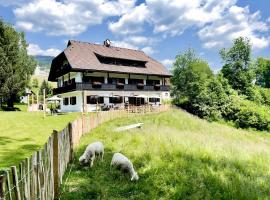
(72,100)
(94,99)
(92,79)
(154,100)
(120,61)
(65,101)
(152,82)
(116,80)
(135,81)
(116,99)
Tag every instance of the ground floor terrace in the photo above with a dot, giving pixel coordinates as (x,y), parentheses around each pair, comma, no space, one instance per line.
(88,101)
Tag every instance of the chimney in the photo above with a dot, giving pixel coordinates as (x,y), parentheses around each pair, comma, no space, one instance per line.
(107,43)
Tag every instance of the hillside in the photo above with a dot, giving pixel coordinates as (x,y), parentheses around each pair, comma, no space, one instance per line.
(177,156)
(44,61)
(43,69)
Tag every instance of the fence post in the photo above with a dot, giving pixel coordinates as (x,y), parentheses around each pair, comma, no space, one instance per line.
(15,183)
(56,164)
(2,189)
(8,184)
(71,141)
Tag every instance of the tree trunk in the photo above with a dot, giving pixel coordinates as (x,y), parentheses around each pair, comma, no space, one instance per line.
(10,102)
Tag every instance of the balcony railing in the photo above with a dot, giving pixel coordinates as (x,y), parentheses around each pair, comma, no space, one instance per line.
(109,87)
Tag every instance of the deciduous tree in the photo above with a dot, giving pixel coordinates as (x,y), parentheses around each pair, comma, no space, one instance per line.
(237,65)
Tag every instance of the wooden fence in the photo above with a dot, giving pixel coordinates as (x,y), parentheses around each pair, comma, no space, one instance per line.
(40,176)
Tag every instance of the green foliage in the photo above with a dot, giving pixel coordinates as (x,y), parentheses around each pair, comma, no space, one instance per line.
(177,156)
(16,66)
(35,83)
(48,88)
(251,115)
(211,97)
(237,65)
(265,94)
(248,114)
(196,89)
(262,68)
(211,101)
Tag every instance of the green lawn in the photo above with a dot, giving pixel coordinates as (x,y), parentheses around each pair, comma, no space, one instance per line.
(21,133)
(177,156)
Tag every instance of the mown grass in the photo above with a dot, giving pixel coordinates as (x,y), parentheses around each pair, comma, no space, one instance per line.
(21,133)
(177,156)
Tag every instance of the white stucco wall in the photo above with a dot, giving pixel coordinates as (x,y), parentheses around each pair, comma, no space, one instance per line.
(72,108)
(106,94)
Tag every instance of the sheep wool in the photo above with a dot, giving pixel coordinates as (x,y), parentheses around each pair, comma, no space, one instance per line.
(124,164)
(92,151)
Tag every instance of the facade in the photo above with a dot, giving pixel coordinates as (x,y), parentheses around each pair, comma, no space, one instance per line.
(90,76)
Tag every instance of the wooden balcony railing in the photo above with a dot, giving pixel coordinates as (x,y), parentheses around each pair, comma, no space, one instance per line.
(109,87)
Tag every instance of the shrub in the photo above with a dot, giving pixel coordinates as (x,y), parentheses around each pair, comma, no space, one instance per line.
(247,114)
(265,93)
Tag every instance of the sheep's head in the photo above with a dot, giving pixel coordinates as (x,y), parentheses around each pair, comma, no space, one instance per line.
(135,177)
(83,160)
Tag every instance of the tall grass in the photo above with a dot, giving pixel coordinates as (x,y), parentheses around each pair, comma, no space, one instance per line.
(177,156)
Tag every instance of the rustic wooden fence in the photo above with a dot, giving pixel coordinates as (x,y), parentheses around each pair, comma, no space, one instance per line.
(40,176)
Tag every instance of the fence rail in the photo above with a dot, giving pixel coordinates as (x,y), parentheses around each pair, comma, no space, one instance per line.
(40,176)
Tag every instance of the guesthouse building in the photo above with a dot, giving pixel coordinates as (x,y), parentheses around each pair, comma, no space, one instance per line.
(89,74)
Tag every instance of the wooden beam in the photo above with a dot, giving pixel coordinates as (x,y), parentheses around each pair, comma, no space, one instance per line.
(132,126)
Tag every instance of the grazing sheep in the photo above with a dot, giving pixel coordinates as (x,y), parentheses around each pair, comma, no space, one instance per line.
(124,164)
(91,151)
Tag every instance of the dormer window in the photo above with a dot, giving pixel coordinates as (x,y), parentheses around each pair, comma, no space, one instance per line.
(120,61)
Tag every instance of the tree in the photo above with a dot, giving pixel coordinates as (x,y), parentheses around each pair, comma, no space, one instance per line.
(45,85)
(188,73)
(237,65)
(16,66)
(262,69)
(35,83)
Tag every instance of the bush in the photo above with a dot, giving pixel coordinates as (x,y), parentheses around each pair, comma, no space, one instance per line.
(265,93)
(253,94)
(247,114)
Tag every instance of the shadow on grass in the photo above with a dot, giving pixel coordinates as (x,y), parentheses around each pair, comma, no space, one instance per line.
(15,156)
(178,176)
(5,108)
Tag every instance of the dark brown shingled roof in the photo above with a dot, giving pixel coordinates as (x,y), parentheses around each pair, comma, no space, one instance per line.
(81,56)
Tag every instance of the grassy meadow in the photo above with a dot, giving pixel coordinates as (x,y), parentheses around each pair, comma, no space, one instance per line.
(177,156)
(21,133)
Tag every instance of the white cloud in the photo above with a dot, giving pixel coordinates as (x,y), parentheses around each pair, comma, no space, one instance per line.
(171,17)
(167,62)
(218,22)
(34,49)
(148,50)
(131,45)
(123,44)
(68,17)
(236,22)
(138,40)
(131,22)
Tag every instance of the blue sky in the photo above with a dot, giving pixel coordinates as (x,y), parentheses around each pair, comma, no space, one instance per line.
(161,28)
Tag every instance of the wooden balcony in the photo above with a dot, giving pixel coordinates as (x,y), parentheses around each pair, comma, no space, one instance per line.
(109,87)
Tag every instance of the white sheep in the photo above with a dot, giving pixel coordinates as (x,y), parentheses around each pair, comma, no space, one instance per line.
(124,164)
(91,151)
